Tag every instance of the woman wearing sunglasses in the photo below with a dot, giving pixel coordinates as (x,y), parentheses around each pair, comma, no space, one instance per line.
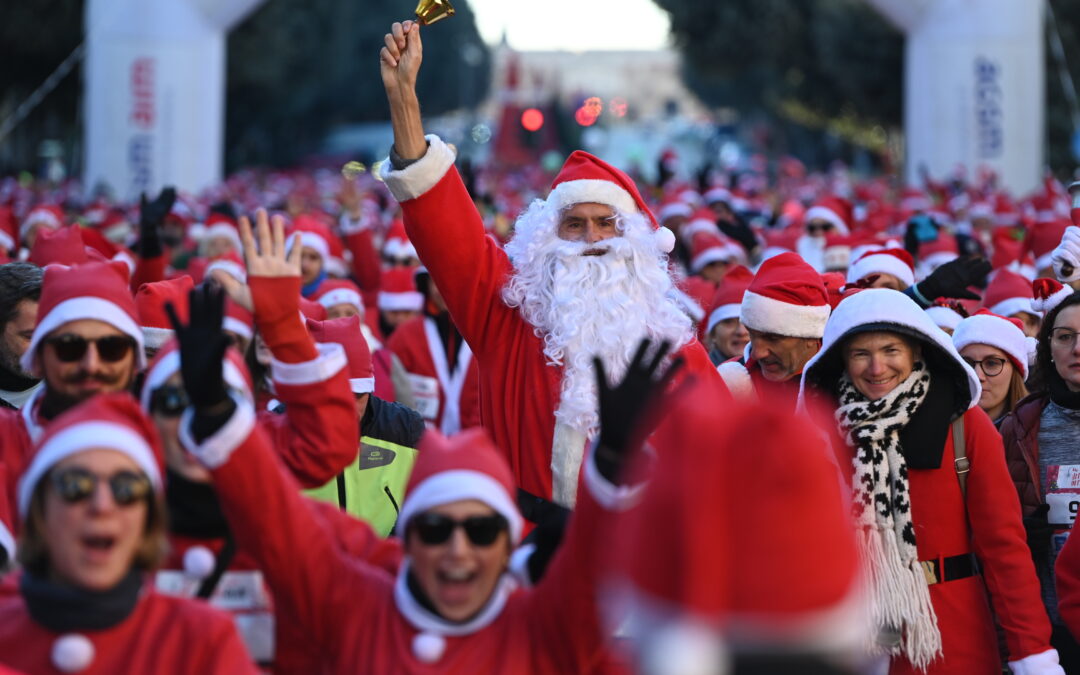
(452,606)
(1042,446)
(93,526)
(998,351)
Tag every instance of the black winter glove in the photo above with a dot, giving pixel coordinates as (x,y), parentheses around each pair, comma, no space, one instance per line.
(151,217)
(952,279)
(920,228)
(202,347)
(628,409)
(740,232)
(546,538)
(1038,534)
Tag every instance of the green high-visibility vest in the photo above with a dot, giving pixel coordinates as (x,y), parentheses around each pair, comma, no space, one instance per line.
(372,487)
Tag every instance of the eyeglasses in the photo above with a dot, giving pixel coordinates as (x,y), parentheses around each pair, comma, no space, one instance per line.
(111,348)
(169,400)
(814,228)
(1063,338)
(991,365)
(76,484)
(435,528)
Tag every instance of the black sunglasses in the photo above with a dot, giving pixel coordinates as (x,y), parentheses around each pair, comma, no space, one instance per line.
(814,228)
(76,484)
(434,528)
(111,348)
(169,400)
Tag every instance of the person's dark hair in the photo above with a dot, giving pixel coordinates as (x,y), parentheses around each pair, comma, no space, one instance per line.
(1044,369)
(18,281)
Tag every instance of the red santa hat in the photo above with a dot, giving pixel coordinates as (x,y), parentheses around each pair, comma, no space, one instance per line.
(709,247)
(894,261)
(933,254)
(150,301)
(726,592)
(91,291)
(397,244)
(944,316)
(832,210)
(314,235)
(398,292)
(345,331)
(1043,238)
(9,229)
(464,466)
(166,363)
(336,264)
(230,263)
(702,220)
(1048,294)
(238,319)
(985,327)
(727,301)
(837,253)
(339,292)
(221,225)
(1009,293)
(717,194)
(786,297)
(585,178)
(62,246)
(673,207)
(692,295)
(49,216)
(312,310)
(109,421)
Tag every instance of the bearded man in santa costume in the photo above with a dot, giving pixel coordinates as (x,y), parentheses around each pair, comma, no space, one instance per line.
(585,273)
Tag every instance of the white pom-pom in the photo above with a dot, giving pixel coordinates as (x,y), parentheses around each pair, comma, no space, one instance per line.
(1032,346)
(428,647)
(665,240)
(685,648)
(198,562)
(72,652)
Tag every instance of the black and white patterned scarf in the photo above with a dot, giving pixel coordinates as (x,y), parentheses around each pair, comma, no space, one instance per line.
(882,508)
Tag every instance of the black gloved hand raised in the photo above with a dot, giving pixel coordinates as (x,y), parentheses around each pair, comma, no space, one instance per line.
(628,409)
(202,347)
(952,279)
(151,217)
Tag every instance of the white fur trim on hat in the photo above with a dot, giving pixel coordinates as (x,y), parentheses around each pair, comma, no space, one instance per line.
(999,333)
(83,436)
(39,216)
(722,313)
(767,315)
(451,486)
(7,542)
(709,256)
(411,301)
(1055,299)
(155,338)
(316,242)
(223,230)
(944,317)
(587,190)
(362,385)
(341,296)
(1010,306)
(77,309)
(822,213)
(881,263)
(230,267)
(234,325)
(673,209)
(330,361)
(420,176)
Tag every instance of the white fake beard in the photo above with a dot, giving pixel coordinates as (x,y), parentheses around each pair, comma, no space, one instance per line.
(584,306)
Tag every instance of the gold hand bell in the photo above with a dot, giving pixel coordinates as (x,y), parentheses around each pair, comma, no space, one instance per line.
(430,11)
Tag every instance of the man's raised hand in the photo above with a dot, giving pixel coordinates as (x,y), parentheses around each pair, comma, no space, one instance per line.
(400,58)
(270,257)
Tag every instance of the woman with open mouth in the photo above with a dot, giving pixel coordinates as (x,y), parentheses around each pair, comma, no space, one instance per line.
(93,519)
(937,518)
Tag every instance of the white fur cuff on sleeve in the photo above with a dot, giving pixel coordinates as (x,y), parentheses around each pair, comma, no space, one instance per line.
(7,543)
(1043,663)
(419,177)
(612,497)
(215,451)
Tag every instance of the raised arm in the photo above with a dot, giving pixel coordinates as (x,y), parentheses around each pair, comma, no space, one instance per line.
(399,62)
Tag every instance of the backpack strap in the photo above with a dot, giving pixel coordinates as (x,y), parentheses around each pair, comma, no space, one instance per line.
(961,462)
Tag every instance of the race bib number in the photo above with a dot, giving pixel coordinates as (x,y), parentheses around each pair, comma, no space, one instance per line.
(426,394)
(1063,494)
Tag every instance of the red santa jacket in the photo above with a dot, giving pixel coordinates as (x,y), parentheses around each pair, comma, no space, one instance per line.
(419,346)
(362,620)
(162,635)
(1067,581)
(18,429)
(519,391)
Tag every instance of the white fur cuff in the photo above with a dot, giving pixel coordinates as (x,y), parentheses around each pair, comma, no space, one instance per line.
(1043,663)
(610,496)
(216,450)
(591,191)
(419,177)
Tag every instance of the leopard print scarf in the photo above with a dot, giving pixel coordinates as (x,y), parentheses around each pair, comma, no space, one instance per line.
(881,506)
